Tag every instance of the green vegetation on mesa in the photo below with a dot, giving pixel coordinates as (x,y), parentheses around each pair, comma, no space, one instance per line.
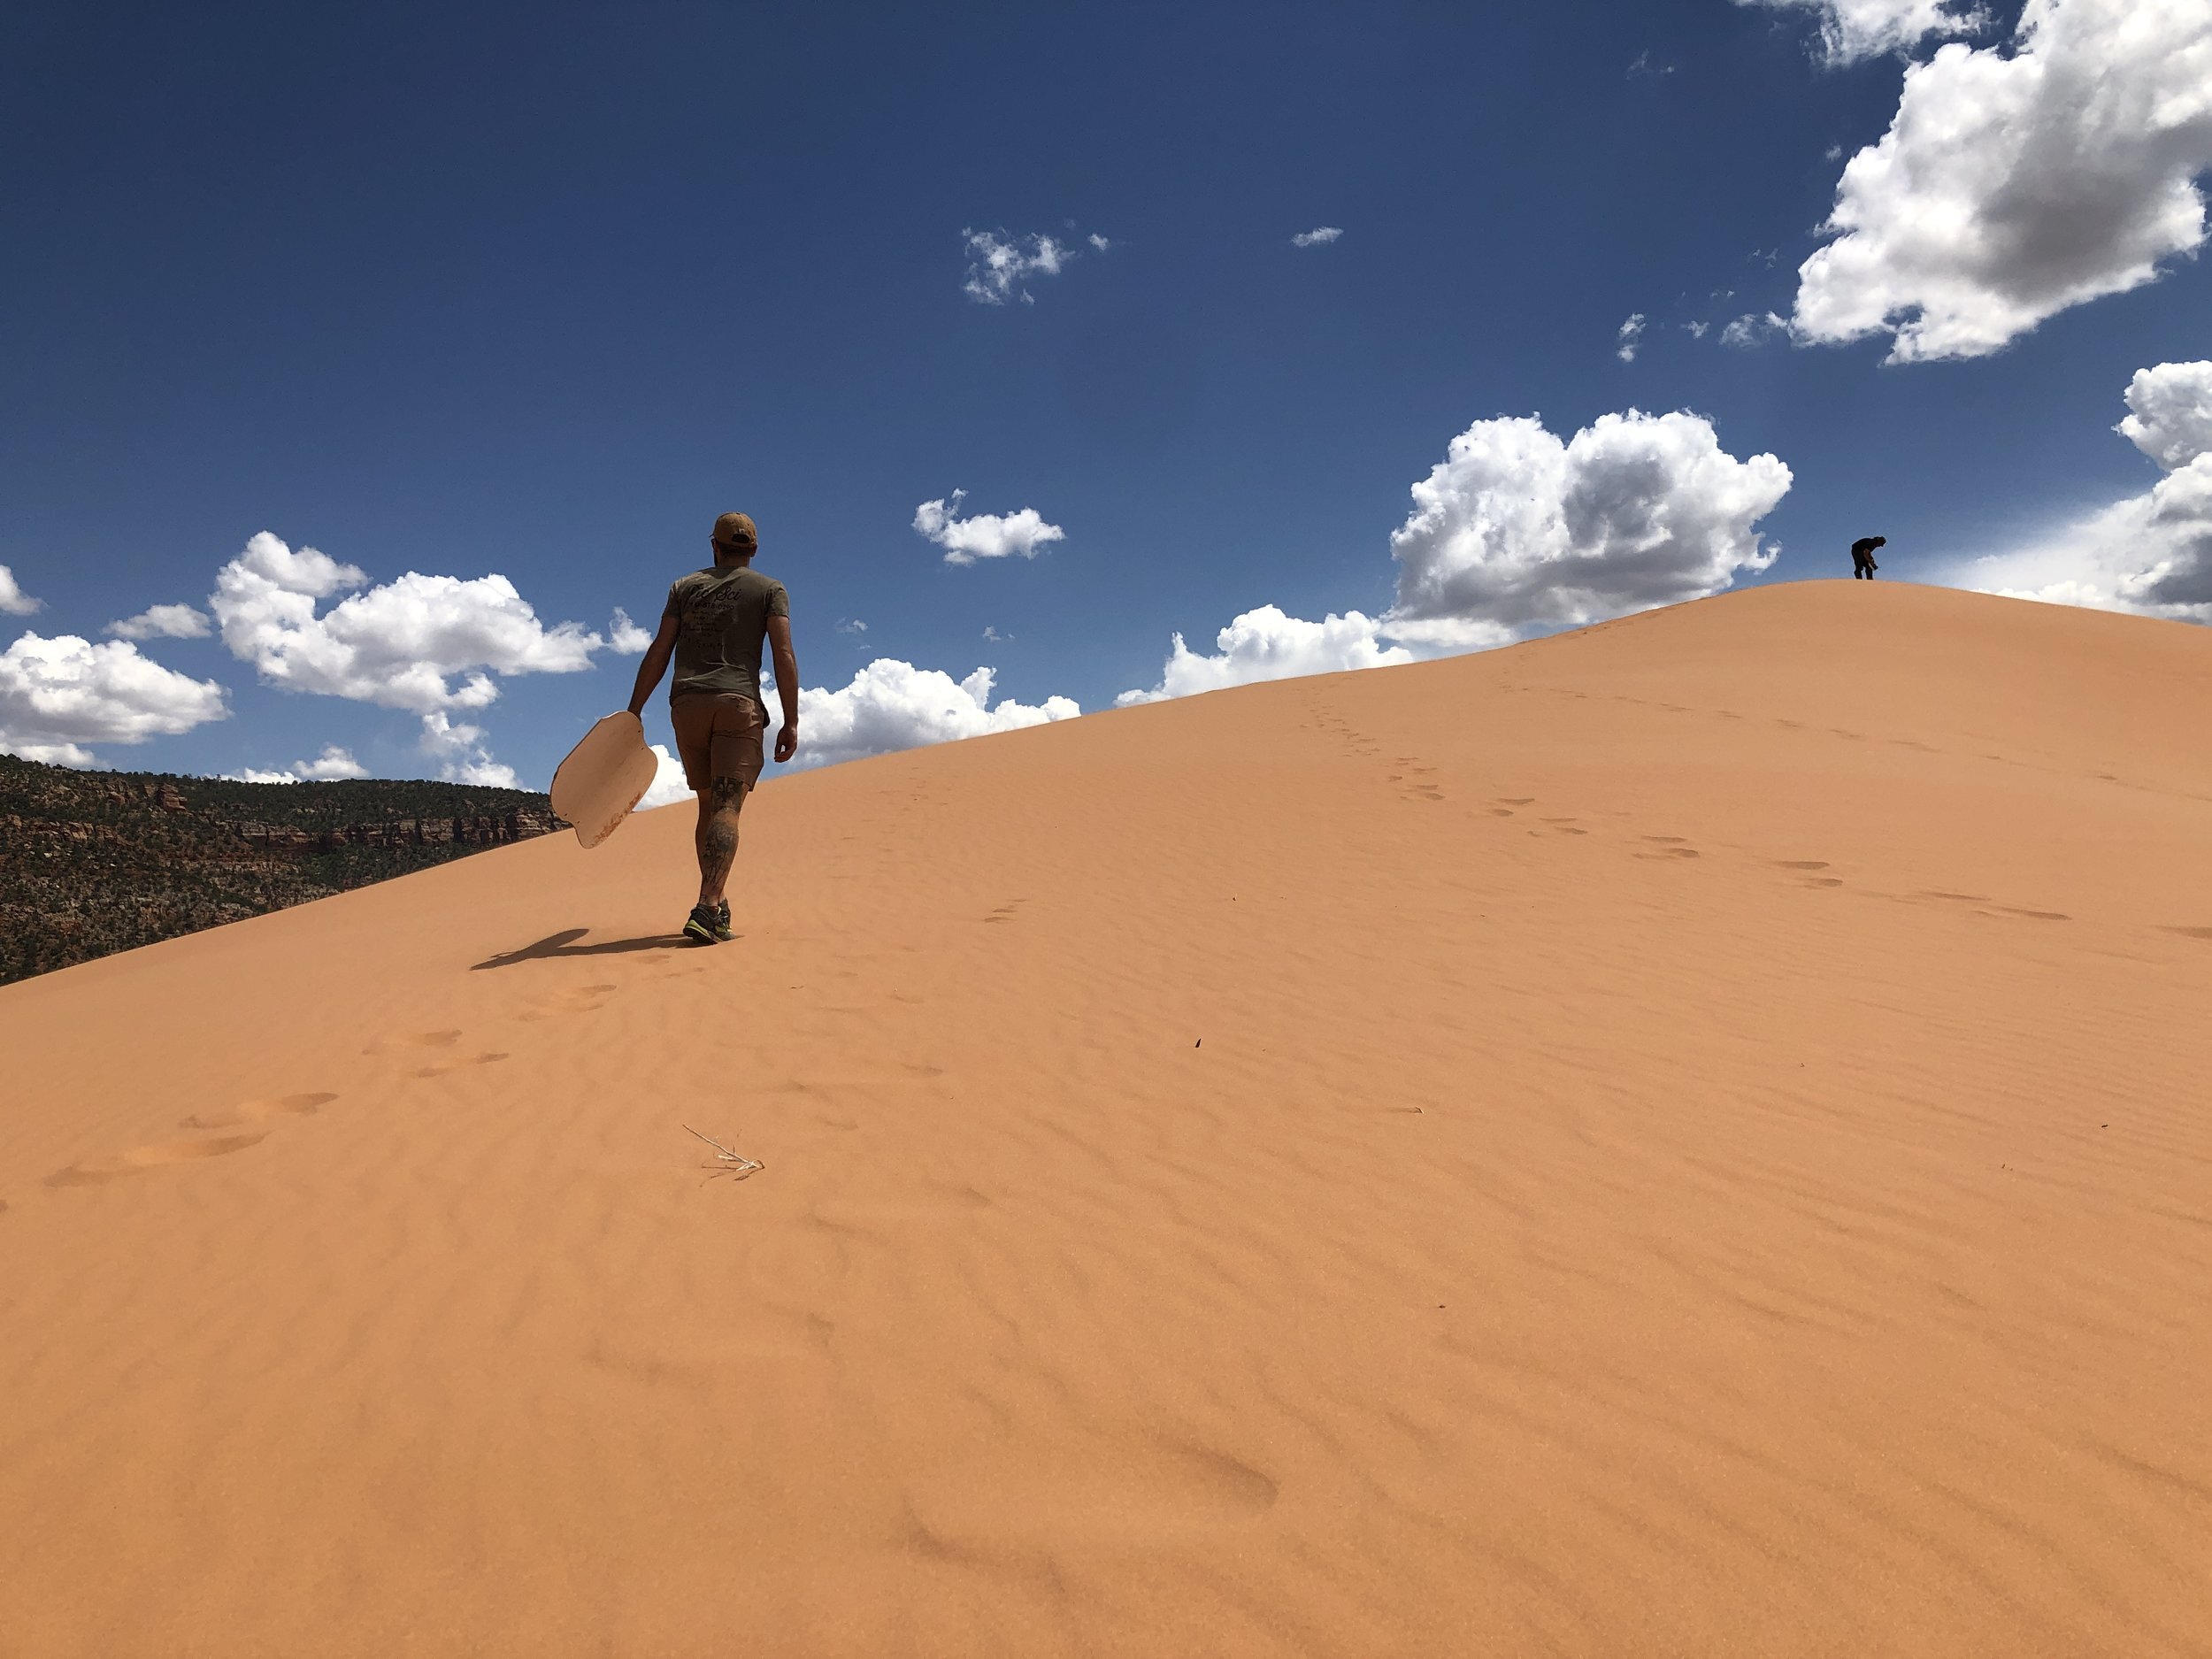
(96,862)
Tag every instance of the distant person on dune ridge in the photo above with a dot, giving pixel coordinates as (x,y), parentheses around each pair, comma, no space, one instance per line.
(713,625)
(1862,556)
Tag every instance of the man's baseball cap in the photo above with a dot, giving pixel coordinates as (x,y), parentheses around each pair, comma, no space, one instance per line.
(735,529)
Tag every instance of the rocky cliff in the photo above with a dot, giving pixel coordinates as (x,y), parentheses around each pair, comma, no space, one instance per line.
(93,862)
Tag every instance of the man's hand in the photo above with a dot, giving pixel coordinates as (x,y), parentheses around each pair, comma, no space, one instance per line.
(787,741)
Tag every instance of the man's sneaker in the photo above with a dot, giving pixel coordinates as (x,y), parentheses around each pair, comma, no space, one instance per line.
(703,927)
(723,932)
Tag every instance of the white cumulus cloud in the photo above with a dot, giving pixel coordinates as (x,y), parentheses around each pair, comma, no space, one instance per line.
(1752,329)
(332,764)
(668,785)
(1516,528)
(984,536)
(161,622)
(2150,554)
(1631,337)
(1319,237)
(459,748)
(624,637)
(58,695)
(1270,644)
(893,705)
(2169,412)
(13,601)
(399,644)
(1000,266)
(1853,30)
(2018,180)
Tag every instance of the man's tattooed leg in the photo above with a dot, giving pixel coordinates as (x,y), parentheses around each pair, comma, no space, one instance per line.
(718,838)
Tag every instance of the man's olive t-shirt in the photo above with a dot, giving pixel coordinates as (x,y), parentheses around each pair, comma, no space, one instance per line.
(721,618)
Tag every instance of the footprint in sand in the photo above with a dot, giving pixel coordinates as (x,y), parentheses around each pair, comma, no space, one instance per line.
(583,999)
(413,1040)
(1013,1507)
(254,1111)
(455,1066)
(2189,933)
(1801,864)
(138,1160)
(1006,912)
(1669,847)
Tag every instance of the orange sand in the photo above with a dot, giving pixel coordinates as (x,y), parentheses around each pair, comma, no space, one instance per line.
(1691,1137)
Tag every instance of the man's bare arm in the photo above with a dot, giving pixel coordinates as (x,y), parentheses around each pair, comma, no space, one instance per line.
(786,662)
(656,664)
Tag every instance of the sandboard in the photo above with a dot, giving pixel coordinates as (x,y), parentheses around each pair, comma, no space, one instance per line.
(603,777)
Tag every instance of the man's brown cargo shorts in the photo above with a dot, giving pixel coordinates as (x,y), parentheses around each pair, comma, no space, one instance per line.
(719,735)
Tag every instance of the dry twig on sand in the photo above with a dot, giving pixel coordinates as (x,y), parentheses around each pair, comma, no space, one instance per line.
(734,1165)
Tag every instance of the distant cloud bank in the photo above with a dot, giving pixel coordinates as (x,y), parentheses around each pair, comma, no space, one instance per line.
(1517,530)
(891,705)
(332,764)
(1270,644)
(403,644)
(58,695)
(2150,554)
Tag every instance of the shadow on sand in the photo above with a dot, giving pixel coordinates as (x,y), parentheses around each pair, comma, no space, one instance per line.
(564,944)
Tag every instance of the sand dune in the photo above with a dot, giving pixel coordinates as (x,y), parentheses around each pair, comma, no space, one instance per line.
(1691,1137)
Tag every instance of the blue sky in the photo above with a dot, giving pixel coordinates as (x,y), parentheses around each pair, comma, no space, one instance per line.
(537,293)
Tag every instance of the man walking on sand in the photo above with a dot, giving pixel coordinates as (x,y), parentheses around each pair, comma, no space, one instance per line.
(713,626)
(1862,556)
